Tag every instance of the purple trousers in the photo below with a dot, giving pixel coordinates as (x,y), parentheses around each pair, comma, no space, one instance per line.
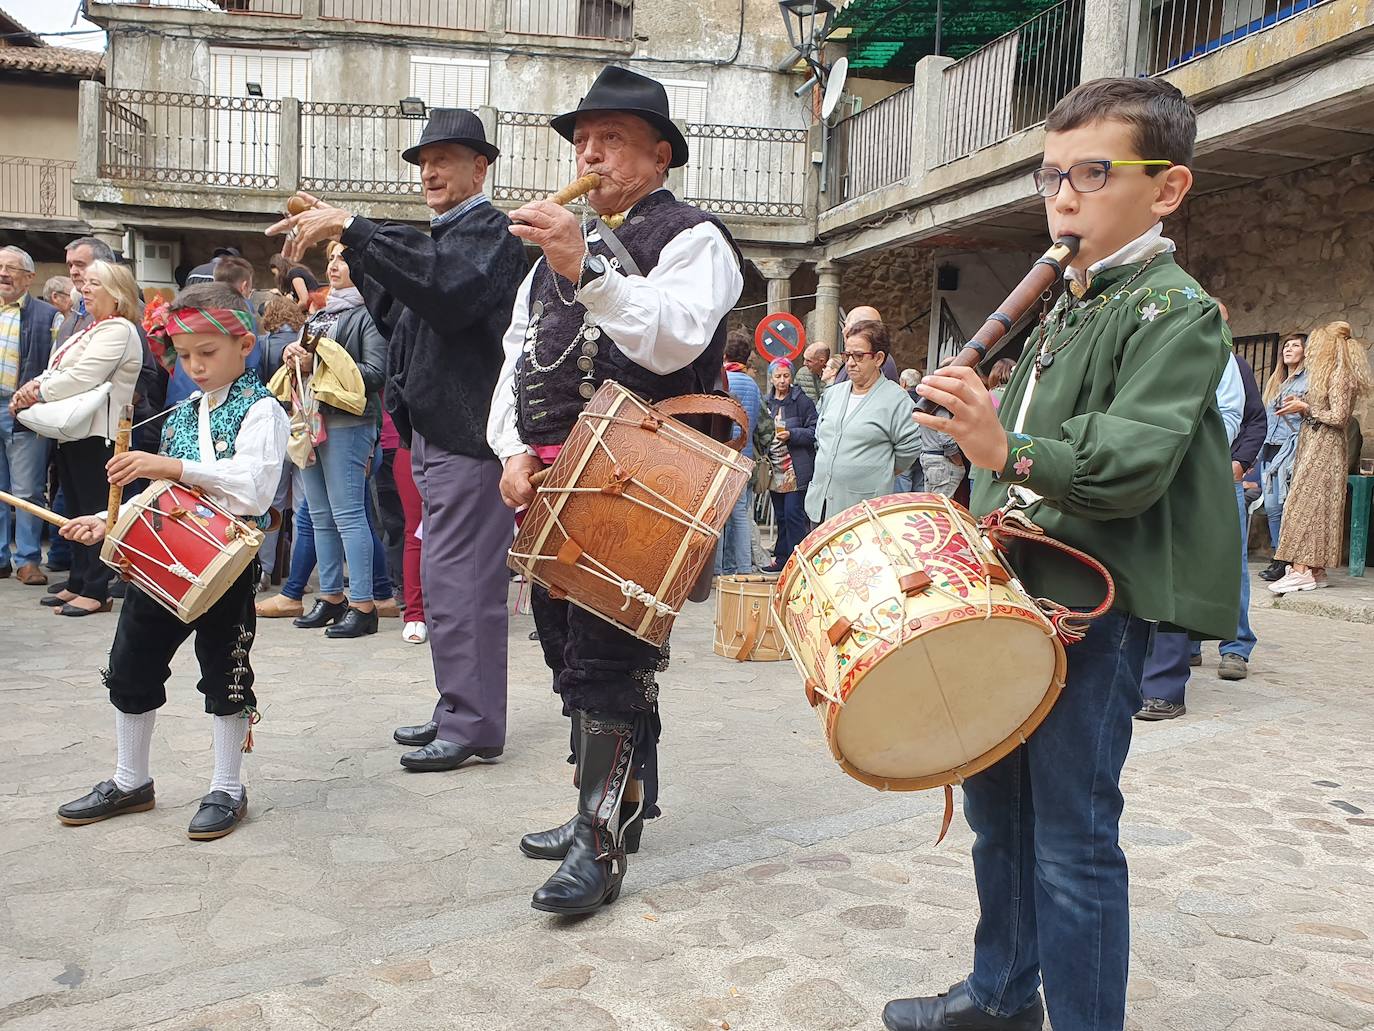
(467,531)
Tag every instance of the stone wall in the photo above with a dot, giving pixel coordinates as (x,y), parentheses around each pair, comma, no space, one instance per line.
(1290,253)
(899,283)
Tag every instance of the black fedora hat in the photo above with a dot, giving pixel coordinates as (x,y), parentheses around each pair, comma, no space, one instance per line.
(619,89)
(452,125)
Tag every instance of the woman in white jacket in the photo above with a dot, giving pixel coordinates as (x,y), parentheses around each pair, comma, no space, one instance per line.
(109,350)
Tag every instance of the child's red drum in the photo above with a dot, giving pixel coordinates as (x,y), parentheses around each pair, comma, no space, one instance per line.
(180,548)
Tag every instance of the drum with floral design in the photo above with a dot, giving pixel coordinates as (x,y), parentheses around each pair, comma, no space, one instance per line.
(922,654)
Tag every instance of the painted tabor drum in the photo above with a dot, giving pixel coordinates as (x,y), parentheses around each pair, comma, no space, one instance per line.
(923,656)
(180,548)
(746,628)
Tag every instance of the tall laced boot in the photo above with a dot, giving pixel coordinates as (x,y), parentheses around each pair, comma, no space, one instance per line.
(594,867)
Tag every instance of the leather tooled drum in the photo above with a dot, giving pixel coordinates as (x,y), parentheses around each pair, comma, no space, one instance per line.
(746,628)
(627,517)
(180,548)
(923,656)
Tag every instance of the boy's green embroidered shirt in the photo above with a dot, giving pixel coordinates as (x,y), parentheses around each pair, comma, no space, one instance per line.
(1124,444)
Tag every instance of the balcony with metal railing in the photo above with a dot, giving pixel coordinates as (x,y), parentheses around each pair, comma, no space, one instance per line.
(36,189)
(244,155)
(1179,31)
(871,148)
(556,21)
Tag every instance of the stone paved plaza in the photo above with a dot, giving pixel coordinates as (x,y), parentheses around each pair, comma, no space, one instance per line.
(775,894)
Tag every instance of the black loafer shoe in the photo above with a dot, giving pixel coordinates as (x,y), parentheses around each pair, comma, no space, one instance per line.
(418,736)
(444,755)
(1274,571)
(106,800)
(217,816)
(323,614)
(52,601)
(58,587)
(355,623)
(954,1011)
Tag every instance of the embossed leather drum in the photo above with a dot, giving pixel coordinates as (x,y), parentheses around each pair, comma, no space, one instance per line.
(180,548)
(923,656)
(627,517)
(746,628)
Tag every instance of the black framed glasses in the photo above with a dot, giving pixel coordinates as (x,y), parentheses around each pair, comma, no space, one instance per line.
(844,356)
(1084,176)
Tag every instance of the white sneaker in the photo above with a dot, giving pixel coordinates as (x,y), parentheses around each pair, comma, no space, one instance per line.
(1294,581)
(415,633)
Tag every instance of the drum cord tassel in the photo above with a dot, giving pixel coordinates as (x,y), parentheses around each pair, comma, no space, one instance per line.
(633,592)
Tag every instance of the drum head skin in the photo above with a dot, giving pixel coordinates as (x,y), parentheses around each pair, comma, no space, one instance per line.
(946,700)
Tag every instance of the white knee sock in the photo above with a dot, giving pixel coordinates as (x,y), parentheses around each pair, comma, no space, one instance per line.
(228,735)
(134,741)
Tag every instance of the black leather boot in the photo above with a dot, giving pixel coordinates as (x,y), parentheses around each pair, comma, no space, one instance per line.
(554,844)
(355,623)
(324,613)
(594,868)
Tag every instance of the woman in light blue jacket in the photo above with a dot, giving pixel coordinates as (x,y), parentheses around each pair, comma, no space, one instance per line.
(865,435)
(1281,442)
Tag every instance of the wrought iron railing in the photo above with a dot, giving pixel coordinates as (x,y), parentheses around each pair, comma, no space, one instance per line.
(190,138)
(1182,30)
(747,170)
(871,148)
(1012,83)
(279,8)
(1262,351)
(428,14)
(584,19)
(36,187)
(950,336)
(535,161)
(356,148)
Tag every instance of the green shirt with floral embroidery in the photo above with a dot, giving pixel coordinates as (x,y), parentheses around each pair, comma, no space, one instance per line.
(1126,448)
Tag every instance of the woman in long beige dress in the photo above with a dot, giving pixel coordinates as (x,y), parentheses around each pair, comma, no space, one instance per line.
(1310,537)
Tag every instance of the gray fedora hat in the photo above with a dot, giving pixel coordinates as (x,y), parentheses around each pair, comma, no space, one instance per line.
(452,125)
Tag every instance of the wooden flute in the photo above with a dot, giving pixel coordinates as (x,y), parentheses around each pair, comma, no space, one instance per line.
(1048,268)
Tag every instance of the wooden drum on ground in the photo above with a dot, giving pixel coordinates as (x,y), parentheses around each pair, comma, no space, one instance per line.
(746,628)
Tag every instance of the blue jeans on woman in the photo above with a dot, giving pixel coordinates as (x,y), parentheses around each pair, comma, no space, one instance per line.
(303,557)
(789,512)
(336,488)
(1051,876)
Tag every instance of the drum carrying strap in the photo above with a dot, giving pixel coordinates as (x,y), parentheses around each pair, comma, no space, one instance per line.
(751,635)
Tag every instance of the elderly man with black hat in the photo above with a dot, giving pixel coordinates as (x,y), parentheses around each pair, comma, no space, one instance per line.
(640,296)
(444,300)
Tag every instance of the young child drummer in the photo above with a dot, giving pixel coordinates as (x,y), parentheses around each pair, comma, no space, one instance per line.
(230,443)
(1110,435)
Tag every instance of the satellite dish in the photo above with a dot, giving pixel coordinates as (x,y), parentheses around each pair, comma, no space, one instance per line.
(834,87)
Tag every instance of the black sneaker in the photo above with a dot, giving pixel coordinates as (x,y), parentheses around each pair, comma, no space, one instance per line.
(106,800)
(1274,571)
(1159,709)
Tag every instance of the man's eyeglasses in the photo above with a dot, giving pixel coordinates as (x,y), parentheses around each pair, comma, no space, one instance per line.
(856,355)
(1084,177)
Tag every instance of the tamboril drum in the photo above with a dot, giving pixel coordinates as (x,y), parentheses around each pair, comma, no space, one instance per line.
(924,657)
(180,548)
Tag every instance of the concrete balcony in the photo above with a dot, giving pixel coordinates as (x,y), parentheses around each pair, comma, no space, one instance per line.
(207,162)
(1279,87)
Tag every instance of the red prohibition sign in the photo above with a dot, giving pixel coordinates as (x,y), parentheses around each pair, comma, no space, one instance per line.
(779,335)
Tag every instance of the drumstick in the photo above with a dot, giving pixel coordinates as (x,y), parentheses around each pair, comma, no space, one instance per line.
(126,425)
(46,514)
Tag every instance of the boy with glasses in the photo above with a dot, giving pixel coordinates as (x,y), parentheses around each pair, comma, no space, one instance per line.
(1110,439)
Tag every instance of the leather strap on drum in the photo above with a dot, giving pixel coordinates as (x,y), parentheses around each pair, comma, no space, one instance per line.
(709,404)
(751,635)
(1006,525)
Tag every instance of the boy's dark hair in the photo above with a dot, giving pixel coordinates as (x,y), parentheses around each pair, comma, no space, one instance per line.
(1164,123)
(737,346)
(211,295)
(232,270)
(874,332)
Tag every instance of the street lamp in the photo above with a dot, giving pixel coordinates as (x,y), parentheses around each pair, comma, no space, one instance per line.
(804,34)
(254,89)
(413,107)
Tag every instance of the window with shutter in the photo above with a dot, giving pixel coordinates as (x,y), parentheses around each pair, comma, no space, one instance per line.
(687,103)
(244,138)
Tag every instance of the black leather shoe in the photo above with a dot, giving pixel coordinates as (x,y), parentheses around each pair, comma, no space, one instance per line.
(76,610)
(444,755)
(418,736)
(217,816)
(355,623)
(554,844)
(58,587)
(1274,571)
(52,601)
(954,1011)
(323,614)
(106,800)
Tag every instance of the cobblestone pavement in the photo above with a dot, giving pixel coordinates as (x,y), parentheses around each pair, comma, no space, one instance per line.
(774,894)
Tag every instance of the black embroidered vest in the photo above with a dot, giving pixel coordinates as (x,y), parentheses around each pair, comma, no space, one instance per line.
(548,402)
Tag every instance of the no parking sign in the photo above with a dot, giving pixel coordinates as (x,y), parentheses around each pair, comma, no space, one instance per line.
(779,335)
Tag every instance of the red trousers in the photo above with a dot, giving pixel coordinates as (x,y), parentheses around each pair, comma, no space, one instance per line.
(410,503)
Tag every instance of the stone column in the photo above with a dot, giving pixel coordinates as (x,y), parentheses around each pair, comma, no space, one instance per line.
(928,104)
(778,273)
(109,232)
(1110,34)
(289,146)
(491,126)
(88,130)
(826,325)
